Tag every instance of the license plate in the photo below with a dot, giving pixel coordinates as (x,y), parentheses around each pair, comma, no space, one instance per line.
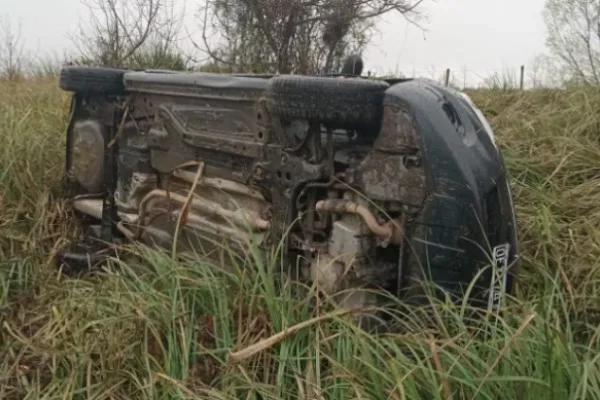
(500,256)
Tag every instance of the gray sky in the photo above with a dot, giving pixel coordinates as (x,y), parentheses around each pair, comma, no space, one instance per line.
(481,36)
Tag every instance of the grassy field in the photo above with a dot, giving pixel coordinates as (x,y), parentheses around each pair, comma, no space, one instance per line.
(166,330)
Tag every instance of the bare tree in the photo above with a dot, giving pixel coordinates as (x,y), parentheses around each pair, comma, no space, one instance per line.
(574,37)
(543,72)
(291,36)
(122,32)
(536,71)
(12,54)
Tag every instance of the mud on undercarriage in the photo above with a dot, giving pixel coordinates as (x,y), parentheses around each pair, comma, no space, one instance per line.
(369,182)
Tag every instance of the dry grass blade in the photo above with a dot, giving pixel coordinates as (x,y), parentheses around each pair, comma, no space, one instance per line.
(120,129)
(438,365)
(183,214)
(503,351)
(269,342)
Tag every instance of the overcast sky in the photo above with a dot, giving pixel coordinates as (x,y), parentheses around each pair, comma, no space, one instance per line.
(481,36)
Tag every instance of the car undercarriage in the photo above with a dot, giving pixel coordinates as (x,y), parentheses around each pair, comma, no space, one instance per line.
(359,182)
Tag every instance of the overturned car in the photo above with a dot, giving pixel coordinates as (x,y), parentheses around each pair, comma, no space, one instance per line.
(361,182)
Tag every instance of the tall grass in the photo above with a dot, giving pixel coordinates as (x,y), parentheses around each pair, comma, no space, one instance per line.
(151,328)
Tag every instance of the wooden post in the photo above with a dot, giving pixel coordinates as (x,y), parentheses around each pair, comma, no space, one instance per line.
(447,77)
(522,77)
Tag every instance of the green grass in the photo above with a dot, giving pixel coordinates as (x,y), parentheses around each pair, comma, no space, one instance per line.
(156,329)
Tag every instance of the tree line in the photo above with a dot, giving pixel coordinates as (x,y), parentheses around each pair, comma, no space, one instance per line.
(266,36)
(277,36)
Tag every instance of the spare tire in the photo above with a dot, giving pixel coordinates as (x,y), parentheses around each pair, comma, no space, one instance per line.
(92,80)
(333,101)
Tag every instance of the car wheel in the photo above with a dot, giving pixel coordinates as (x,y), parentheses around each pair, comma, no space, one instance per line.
(333,101)
(92,80)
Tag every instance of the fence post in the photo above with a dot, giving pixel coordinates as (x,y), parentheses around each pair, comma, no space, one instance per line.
(447,77)
(522,77)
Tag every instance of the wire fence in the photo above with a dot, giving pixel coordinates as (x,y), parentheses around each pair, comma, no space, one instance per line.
(504,79)
(520,77)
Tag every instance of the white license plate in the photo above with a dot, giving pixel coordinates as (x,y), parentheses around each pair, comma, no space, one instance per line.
(500,256)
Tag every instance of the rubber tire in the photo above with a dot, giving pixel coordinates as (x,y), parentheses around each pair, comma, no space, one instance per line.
(334,101)
(94,80)
(81,257)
